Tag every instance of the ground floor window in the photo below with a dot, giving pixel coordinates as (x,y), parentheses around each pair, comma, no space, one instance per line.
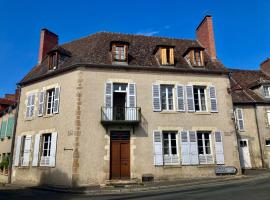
(170,151)
(204,147)
(46,149)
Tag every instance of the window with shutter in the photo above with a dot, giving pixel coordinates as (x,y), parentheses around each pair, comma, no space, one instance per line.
(219,148)
(131,108)
(158,148)
(190,98)
(167,55)
(46,149)
(166,92)
(36,150)
(30,106)
(108,110)
(17,151)
(41,103)
(26,150)
(56,100)
(200,98)
(240,119)
(204,147)
(156,97)
(170,152)
(194,157)
(3,129)
(213,98)
(185,150)
(10,126)
(180,91)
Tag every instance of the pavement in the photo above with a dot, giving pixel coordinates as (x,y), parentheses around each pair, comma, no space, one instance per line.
(175,186)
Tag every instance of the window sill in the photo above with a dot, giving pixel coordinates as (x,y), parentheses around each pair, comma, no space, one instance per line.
(47,116)
(202,113)
(206,165)
(168,112)
(169,166)
(29,119)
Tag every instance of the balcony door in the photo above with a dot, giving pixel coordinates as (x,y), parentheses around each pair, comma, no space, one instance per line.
(119,101)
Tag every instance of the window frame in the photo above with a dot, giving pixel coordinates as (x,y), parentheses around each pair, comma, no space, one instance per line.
(51,102)
(204,146)
(196,62)
(48,149)
(266,87)
(53,61)
(199,98)
(170,155)
(166,86)
(32,98)
(117,53)
(22,148)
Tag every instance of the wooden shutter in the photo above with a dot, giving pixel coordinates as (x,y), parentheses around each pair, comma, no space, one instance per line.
(41,103)
(3,129)
(213,98)
(27,150)
(108,110)
(28,105)
(163,56)
(131,113)
(56,100)
(36,150)
(185,148)
(193,146)
(240,119)
(32,105)
(10,126)
(180,91)
(53,149)
(190,98)
(219,148)
(171,56)
(156,97)
(158,148)
(17,151)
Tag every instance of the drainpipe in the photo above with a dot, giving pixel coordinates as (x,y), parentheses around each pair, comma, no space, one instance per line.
(259,138)
(14,135)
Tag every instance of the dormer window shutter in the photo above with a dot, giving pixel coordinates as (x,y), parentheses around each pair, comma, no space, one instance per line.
(164,56)
(171,56)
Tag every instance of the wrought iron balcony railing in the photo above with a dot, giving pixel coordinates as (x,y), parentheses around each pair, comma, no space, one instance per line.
(120,115)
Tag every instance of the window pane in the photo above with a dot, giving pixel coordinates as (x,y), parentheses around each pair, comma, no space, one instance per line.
(203,104)
(200,149)
(174,151)
(196,99)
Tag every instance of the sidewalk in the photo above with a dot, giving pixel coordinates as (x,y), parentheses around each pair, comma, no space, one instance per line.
(151,186)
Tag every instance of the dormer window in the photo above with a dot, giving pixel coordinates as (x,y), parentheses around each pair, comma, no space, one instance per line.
(266,91)
(53,61)
(165,55)
(194,57)
(119,52)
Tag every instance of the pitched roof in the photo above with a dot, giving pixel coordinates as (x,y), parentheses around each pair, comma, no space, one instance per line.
(95,50)
(242,84)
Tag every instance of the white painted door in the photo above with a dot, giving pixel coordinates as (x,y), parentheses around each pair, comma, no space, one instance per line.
(244,154)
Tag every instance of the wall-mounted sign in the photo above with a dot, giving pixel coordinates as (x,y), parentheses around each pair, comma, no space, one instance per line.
(225,170)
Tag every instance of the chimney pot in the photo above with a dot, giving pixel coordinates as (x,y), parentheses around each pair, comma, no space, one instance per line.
(48,40)
(205,35)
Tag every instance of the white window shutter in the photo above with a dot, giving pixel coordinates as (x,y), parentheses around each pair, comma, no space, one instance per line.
(108,110)
(156,97)
(213,98)
(28,106)
(56,100)
(219,148)
(158,148)
(190,98)
(27,150)
(180,91)
(131,113)
(41,103)
(36,150)
(240,119)
(185,148)
(53,149)
(193,146)
(32,106)
(17,151)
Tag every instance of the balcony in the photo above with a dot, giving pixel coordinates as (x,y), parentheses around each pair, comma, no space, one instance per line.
(120,115)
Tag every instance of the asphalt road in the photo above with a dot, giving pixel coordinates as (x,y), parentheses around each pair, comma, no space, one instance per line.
(243,189)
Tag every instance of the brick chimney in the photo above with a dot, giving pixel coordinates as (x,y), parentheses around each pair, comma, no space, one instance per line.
(265,66)
(205,35)
(48,40)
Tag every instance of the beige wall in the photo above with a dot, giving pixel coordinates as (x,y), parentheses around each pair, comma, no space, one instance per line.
(93,140)
(250,132)
(63,123)
(264,130)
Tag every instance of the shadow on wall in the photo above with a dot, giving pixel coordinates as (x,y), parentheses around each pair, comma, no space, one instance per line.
(142,129)
(55,177)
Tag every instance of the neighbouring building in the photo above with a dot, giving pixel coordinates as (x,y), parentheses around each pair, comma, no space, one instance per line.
(251,98)
(118,106)
(7,118)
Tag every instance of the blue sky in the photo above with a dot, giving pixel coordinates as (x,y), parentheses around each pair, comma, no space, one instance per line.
(242,28)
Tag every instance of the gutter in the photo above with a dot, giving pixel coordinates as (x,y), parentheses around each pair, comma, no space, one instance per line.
(14,136)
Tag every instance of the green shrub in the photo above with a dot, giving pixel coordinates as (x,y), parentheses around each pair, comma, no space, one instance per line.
(5,163)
